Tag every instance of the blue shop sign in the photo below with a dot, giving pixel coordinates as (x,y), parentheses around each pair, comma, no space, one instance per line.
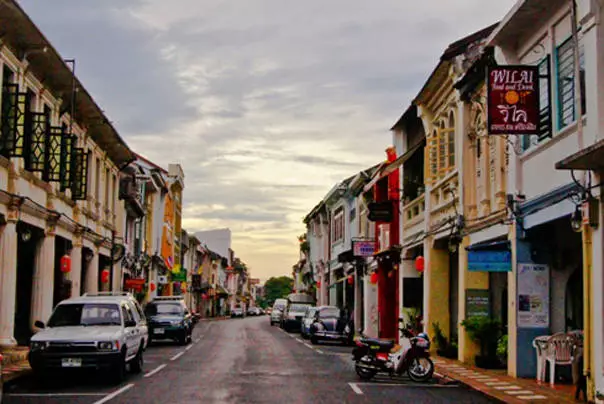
(489,261)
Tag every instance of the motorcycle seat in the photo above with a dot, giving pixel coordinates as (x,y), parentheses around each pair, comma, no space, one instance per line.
(389,344)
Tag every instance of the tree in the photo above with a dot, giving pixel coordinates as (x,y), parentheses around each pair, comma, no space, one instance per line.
(277,288)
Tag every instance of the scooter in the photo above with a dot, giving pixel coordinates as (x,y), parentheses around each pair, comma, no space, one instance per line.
(373,356)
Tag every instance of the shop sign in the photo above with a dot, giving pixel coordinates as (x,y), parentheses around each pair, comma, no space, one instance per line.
(477,303)
(363,248)
(134,284)
(381,212)
(513,100)
(179,276)
(533,296)
(489,261)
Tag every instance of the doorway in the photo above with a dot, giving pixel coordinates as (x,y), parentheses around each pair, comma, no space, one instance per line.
(28,239)
(62,286)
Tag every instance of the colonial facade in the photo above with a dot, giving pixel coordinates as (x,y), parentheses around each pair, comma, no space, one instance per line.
(59,183)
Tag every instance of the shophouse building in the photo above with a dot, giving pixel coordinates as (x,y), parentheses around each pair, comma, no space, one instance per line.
(60,159)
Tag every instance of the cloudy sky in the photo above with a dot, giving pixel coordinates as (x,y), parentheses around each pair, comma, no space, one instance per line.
(265,103)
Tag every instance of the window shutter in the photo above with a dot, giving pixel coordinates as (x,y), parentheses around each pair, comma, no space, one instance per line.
(545,109)
(35,159)
(80,170)
(52,170)
(15,108)
(68,143)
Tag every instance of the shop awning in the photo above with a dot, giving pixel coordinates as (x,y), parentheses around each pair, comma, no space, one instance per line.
(490,257)
(390,168)
(590,158)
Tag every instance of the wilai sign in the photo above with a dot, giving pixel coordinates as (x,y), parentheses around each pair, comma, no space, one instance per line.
(513,100)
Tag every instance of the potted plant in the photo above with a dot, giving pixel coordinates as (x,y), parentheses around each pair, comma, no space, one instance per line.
(502,349)
(485,331)
(444,348)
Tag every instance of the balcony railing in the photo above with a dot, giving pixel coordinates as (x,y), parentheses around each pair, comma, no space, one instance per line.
(414,211)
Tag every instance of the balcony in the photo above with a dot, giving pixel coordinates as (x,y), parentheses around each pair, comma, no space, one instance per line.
(444,196)
(413,219)
(130,195)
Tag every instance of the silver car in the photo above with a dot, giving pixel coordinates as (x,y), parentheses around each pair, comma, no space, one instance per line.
(308,319)
(277,313)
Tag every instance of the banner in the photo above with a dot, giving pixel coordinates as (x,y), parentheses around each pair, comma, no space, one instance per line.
(513,100)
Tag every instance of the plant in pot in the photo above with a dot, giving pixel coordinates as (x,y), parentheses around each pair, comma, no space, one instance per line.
(485,332)
(443,346)
(502,349)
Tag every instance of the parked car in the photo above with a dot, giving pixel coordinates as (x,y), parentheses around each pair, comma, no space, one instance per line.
(237,312)
(170,318)
(277,311)
(1,379)
(293,315)
(309,317)
(254,311)
(331,323)
(103,331)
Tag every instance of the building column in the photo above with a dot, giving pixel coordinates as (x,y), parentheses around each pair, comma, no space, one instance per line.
(358,304)
(75,275)
(43,279)
(92,274)
(117,277)
(436,289)
(8,281)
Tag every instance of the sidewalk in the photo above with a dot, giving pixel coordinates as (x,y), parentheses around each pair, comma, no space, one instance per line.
(497,384)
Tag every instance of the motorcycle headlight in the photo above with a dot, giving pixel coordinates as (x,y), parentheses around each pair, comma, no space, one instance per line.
(106,345)
(38,345)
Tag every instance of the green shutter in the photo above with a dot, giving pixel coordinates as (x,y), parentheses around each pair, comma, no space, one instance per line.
(80,170)
(52,169)
(68,142)
(15,106)
(35,157)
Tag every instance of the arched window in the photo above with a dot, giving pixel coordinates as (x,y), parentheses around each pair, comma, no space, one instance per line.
(440,155)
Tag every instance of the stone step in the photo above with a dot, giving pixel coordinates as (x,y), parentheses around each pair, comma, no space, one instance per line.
(15,370)
(14,355)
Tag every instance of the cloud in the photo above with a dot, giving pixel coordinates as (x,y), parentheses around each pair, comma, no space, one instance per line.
(265,103)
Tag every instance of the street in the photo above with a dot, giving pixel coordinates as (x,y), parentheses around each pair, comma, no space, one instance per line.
(240,361)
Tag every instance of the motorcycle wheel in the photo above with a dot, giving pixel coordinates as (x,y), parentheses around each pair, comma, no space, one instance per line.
(421,369)
(364,374)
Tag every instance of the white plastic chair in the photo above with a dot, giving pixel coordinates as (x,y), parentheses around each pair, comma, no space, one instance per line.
(540,345)
(560,351)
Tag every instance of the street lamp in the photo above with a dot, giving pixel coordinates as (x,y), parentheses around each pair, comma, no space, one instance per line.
(576,220)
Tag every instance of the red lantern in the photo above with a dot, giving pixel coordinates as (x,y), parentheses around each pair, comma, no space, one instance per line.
(318,284)
(105,276)
(152,286)
(350,280)
(374,278)
(66,264)
(419,264)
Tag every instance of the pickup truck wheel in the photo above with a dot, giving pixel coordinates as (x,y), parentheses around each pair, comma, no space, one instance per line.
(118,373)
(136,365)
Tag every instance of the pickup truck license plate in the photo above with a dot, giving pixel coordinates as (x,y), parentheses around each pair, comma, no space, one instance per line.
(71,362)
(159,331)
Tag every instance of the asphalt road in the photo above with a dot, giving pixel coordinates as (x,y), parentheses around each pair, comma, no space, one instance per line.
(240,361)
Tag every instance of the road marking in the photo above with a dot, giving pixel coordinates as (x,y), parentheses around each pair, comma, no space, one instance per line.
(534,397)
(308,346)
(53,394)
(154,371)
(114,394)
(178,355)
(355,388)
(197,340)
(189,347)
(420,385)
(299,340)
(319,351)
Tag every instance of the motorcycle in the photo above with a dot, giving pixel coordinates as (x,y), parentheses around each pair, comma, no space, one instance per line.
(373,356)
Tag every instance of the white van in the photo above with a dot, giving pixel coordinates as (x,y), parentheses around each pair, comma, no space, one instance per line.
(278,307)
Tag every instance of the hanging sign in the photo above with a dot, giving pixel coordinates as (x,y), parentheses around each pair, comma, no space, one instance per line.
(363,248)
(513,100)
(477,303)
(134,283)
(533,296)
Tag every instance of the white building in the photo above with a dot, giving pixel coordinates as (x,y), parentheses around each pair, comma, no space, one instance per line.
(60,159)
(217,240)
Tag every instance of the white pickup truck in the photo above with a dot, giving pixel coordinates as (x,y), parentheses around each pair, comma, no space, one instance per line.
(100,331)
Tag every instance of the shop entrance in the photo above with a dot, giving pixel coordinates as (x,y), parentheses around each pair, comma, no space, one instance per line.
(28,241)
